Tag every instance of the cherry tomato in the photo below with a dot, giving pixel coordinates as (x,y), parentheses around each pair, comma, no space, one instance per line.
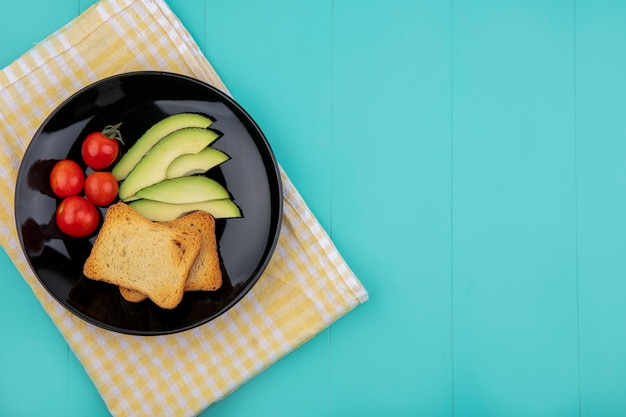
(66,178)
(77,216)
(100,149)
(101,188)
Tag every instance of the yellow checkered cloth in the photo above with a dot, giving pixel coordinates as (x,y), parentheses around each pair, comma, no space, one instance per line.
(306,287)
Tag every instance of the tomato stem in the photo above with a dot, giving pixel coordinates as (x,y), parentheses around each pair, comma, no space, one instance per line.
(113,132)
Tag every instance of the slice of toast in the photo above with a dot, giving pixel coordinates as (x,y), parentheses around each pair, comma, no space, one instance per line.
(205,275)
(136,253)
(132,296)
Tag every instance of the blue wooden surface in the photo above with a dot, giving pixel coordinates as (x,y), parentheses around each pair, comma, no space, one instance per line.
(468,158)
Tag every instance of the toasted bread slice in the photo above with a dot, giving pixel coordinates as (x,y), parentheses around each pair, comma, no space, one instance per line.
(136,253)
(132,296)
(205,275)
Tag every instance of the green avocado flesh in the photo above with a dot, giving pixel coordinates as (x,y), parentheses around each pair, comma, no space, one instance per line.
(184,190)
(195,163)
(165,212)
(152,136)
(151,168)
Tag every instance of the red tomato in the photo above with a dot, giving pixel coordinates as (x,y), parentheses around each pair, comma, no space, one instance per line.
(66,178)
(77,216)
(100,149)
(101,188)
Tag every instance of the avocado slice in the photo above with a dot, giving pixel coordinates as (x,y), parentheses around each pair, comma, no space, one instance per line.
(196,163)
(158,131)
(184,190)
(165,212)
(151,168)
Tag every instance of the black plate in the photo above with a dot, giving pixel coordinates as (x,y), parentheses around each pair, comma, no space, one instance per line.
(138,100)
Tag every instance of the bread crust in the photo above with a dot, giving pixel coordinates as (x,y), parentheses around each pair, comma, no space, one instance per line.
(136,253)
(132,296)
(205,275)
